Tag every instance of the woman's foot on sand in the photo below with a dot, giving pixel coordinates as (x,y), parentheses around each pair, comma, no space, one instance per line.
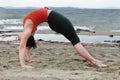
(97,63)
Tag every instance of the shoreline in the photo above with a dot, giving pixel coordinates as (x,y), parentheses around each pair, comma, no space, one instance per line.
(107,33)
(102,44)
(49,35)
(60,38)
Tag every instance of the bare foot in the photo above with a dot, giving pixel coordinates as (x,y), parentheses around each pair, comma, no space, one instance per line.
(97,63)
(90,62)
(100,64)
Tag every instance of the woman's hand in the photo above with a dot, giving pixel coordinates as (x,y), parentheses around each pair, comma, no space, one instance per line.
(32,60)
(26,66)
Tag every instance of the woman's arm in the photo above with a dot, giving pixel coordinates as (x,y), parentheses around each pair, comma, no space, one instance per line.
(22,48)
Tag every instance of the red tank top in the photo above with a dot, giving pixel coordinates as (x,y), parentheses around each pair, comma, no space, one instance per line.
(37,16)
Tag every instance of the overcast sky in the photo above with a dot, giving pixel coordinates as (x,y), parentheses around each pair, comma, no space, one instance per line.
(62,3)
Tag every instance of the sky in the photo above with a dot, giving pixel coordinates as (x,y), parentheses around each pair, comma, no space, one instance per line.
(62,3)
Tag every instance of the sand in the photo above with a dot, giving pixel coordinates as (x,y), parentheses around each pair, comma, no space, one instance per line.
(59,61)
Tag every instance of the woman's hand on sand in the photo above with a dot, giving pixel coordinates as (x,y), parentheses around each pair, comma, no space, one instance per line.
(32,60)
(28,67)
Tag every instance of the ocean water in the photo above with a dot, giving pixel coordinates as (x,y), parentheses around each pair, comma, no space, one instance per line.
(96,19)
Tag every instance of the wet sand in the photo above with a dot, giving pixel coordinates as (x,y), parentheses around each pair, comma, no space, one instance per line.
(59,61)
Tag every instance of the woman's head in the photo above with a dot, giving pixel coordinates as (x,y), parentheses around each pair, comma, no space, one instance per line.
(31,42)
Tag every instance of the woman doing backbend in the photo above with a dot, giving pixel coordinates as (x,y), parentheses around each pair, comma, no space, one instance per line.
(59,24)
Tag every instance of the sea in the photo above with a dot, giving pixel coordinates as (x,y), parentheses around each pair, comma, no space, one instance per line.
(107,20)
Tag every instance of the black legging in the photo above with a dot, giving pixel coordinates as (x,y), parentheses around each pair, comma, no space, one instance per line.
(61,24)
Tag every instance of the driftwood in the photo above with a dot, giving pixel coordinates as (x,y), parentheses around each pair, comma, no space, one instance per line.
(86,30)
(4,31)
(114,41)
(9,31)
(8,34)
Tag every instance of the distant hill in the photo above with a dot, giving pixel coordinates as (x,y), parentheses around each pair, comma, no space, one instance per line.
(36,7)
(19,7)
(1,8)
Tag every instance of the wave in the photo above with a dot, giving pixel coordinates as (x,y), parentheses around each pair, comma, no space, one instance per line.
(115,31)
(10,21)
(45,27)
(16,24)
(13,24)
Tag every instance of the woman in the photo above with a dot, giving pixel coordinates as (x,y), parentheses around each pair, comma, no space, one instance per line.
(58,23)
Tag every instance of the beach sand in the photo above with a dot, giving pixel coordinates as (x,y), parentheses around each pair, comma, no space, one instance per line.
(59,61)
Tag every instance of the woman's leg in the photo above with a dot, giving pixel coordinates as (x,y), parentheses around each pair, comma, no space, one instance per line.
(85,54)
(61,24)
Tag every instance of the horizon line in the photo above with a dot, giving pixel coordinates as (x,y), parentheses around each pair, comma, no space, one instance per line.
(13,7)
